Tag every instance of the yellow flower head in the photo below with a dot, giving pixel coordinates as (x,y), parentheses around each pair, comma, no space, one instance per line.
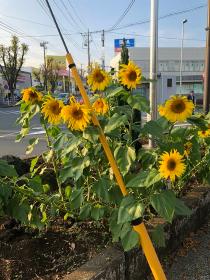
(100,106)
(130,75)
(187,148)
(204,133)
(52,110)
(161,110)
(76,116)
(98,79)
(178,108)
(171,165)
(31,95)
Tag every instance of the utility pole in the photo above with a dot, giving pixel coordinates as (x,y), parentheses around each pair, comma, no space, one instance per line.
(43,45)
(153,63)
(181,58)
(103,50)
(88,48)
(206,97)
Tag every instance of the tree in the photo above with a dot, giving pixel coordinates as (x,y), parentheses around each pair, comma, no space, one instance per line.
(48,73)
(124,53)
(11,61)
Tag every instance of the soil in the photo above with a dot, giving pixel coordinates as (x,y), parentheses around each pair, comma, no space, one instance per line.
(60,250)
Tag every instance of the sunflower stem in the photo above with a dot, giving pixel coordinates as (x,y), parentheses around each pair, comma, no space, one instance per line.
(55,167)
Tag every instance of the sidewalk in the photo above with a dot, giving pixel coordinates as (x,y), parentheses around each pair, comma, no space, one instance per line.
(192,261)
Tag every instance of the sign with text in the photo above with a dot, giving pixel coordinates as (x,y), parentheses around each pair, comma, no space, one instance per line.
(130,43)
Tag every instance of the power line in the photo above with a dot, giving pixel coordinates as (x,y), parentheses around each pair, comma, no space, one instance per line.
(161,37)
(123,15)
(27,20)
(162,17)
(76,14)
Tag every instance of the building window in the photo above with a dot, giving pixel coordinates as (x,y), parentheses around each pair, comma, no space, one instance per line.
(169,82)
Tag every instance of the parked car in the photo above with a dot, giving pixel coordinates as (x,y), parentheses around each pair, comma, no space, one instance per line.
(64,96)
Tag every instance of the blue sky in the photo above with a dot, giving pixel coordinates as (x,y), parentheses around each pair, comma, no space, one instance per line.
(98,15)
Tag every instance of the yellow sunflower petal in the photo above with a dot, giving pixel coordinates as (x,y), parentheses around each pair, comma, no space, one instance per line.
(100,106)
(171,165)
(204,133)
(178,108)
(130,75)
(76,116)
(31,95)
(51,110)
(98,79)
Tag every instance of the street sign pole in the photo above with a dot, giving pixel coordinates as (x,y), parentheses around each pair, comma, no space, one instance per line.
(153,64)
(206,97)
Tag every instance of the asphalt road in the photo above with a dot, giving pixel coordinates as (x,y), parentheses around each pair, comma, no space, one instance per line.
(9,130)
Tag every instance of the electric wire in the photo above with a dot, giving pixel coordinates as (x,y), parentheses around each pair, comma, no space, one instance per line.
(123,15)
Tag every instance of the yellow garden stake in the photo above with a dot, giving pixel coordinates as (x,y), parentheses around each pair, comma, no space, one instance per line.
(144,238)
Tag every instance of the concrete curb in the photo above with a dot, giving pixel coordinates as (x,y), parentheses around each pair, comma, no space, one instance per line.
(114,264)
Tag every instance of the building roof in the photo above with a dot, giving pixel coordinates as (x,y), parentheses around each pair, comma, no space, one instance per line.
(168,54)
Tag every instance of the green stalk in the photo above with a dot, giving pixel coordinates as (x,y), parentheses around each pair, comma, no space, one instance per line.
(55,167)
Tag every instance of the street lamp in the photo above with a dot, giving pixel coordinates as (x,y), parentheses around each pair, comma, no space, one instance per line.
(181,59)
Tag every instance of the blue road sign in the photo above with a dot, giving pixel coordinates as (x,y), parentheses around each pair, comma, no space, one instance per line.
(129,43)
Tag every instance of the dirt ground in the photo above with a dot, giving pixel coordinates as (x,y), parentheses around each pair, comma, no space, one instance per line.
(48,255)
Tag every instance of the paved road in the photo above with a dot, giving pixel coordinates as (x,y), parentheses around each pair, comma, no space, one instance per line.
(9,129)
(192,261)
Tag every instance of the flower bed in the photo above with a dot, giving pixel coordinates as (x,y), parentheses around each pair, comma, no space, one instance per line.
(134,184)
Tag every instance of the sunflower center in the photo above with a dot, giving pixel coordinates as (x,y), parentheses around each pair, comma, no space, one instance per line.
(55,109)
(171,164)
(98,77)
(77,114)
(178,106)
(33,95)
(132,75)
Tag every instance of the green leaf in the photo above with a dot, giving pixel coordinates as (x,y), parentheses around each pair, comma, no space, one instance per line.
(91,134)
(33,163)
(114,122)
(75,170)
(76,198)
(115,92)
(195,153)
(36,184)
(164,204)
(124,156)
(129,237)
(158,236)
(154,129)
(60,141)
(68,191)
(181,209)
(138,181)
(129,210)
(101,188)
(85,211)
(32,143)
(7,170)
(152,178)
(200,122)
(5,192)
(138,102)
(147,159)
(97,212)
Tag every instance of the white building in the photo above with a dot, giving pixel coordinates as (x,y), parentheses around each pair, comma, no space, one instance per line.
(169,65)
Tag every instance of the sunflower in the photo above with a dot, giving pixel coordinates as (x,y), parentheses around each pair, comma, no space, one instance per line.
(100,106)
(52,110)
(98,79)
(76,116)
(31,95)
(161,110)
(178,108)
(130,75)
(171,165)
(204,133)
(187,148)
